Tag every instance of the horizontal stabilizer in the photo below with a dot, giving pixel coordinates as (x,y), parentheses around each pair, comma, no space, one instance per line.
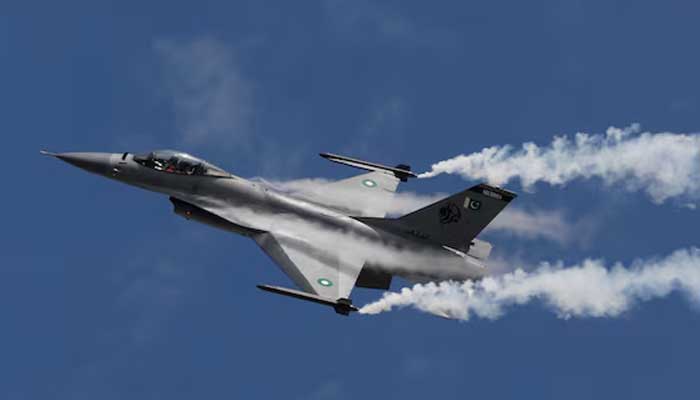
(401,171)
(341,306)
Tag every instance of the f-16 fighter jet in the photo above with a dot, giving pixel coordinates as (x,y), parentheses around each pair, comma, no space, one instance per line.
(328,240)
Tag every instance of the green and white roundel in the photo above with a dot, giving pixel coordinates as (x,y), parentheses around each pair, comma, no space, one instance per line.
(369,183)
(324,282)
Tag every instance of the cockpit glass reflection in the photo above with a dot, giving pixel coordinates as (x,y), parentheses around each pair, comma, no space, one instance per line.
(175,162)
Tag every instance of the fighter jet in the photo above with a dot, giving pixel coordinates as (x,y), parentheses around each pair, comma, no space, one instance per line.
(325,246)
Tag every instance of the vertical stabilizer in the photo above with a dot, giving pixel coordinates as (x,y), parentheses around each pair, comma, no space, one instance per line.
(454,221)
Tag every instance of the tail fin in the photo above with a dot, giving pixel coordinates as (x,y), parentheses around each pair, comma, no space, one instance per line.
(454,221)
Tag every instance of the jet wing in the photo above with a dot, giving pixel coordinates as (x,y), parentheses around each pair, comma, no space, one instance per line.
(324,271)
(364,195)
(369,194)
(320,270)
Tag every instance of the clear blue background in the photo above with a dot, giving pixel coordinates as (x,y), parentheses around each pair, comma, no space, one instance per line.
(105,293)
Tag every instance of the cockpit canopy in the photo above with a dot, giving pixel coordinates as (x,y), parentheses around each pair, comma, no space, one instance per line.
(176,162)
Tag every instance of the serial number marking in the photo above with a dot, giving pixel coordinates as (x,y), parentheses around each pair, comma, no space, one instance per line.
(418,234)
(492,194)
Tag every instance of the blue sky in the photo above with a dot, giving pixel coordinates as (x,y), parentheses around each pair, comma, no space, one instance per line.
(105,293)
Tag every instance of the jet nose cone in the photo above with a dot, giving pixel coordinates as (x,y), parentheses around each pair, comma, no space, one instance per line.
(98,163)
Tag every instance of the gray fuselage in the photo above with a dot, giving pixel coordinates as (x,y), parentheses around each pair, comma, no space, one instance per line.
(246,207)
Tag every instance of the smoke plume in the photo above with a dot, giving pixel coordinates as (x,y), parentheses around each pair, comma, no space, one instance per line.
(664,165)
(585,290)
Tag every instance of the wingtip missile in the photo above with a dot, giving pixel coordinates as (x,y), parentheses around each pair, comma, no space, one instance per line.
(401,171)
(341,306)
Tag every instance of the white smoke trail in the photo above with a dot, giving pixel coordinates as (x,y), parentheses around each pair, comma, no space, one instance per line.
(535,224)
(585,290)
(664,165)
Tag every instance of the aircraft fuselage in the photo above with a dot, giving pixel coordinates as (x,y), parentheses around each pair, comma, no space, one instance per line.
(249,207)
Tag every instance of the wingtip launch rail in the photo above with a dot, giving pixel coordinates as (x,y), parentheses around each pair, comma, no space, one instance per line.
(341,306)
(401,171)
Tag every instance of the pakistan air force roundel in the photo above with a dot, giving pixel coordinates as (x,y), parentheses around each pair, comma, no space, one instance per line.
(369,183)
(325,282)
